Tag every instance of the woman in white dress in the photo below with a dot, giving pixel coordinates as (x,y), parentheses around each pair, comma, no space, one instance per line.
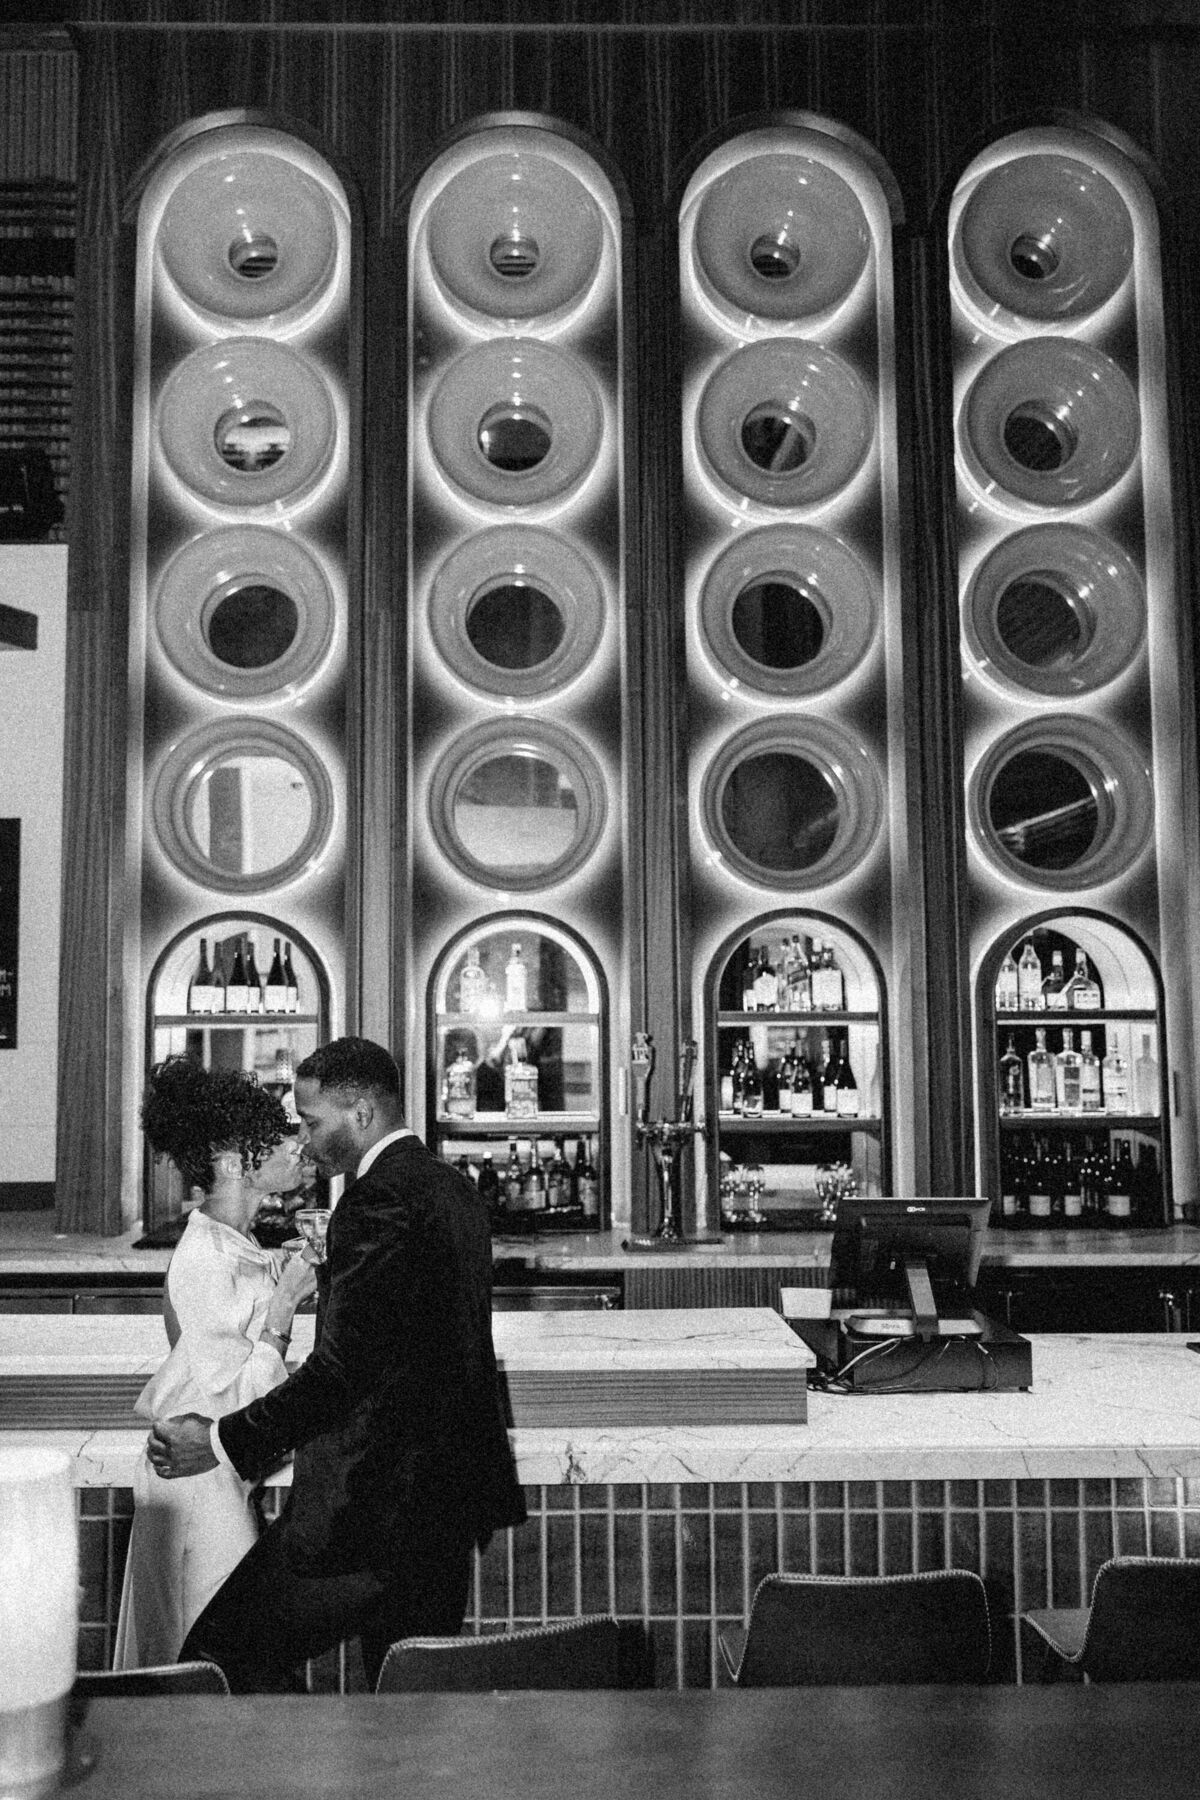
(228,1307)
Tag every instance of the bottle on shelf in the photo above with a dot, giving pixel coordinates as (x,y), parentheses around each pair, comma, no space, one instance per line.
(275,991)
(1014,1195)
(1072,1189)
(803,1084)
(1054,986)
(554,1170)
(845,1085)
(254,992)
(587,1186)
(800,997)
(1083,990)
(1147,1093)
(1091,1091)
(1067,1081)
(1040,1205)
(237,995)
(1007,986)
(1119,1203)
(828,987)
(533,1186)
(512,1178)
(520,1083)
(472,983)
(516,982)
(458,1088)
(737,1076)
(200,993)
(488,1185)
(749,991)
(1029,979)
(787,1078)
(752,1087)
(766,983)
(1040,1065)
(828,1077)
(292,1003)
(1147,1188)
(220,1003)
(1012,1080)
(1116,1089)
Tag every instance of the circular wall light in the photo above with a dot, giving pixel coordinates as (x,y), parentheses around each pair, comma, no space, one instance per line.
(788,610)
(515,236)
(244,612)
(517,804)
(780,237)
(516,611)
(785,422)
(242,806)
(1056,609)
(1044,237)
(247,423)
(1062,803)
(1052,422)
(249,236)
(792,804)
(514,422)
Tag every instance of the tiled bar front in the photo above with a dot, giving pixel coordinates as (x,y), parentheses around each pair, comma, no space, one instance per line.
(684,1557)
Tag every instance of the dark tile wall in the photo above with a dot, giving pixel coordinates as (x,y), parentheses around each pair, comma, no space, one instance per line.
(684,1558)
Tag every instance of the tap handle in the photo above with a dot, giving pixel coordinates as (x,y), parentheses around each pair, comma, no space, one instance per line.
(643,1064)
(687,1070)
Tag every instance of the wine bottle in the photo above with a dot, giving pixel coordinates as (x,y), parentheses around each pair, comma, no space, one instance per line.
(1147,1188)
(275,992)
(1041,1075)
(828,1077)
(588,1186)
(1120,1187)
(237,998)
(1067,1083)
(289,981)
(1007,986)
(787,1075)
(1072,1190)
(254,993)
(219,1002)
(533,1187)
(552,1170)
(845,1085)
(802,1085)
(1039,1189)
(1012,1080)
(200,993)
(516,983)
(1029,979)
(488,1186)
(1013,1194)
(752,1088)
(512,1178)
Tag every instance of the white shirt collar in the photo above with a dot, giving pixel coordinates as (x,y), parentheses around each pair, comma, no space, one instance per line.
(368,1156)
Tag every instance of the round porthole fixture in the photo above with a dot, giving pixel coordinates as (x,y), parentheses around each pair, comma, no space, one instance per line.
(788,610)
(243,806)
(516,611)
(245,613)
(514,422)
(1051,422)
(247,423)
(518,804)
(792,804)
(785,422)
(1044,237)
(515,236)
(1056,609)
(1062,804)
(248,235)
(780,237)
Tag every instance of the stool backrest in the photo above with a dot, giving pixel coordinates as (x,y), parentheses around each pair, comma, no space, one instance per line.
(163,1678)
(1144,1623)
(867,1631)
(571,1653)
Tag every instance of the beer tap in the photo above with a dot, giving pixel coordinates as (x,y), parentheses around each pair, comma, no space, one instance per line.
(664,1137)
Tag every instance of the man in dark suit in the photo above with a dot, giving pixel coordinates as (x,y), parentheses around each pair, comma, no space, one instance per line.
(402,1461)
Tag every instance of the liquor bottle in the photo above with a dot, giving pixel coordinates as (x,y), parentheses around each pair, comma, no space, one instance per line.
(520,1083)
(289,980)
(749,991)
(828,1077)
(512,1178)
(458,1088)
(1040,1064)
(802,1085)
(752,1087)
(219,1002)
(533,1186)
(1054,987)
(1115,1083)
(1007,986)
(254,993)
(275,992)
(237,999)
(1091,1093)
(1067,1082)
(1012,1080)
(1072,1190)
(1147,1188)
(554,1169)
(787,1077)
(472,983)
(828,988)
(766,983)
(1029,979)
(1083,990)
(845,1085)
(516,983)
(1039,1189)
(801,997)
(200,993)
(1146,1091)
(489,1186)
(1119,1204)
(587,1185)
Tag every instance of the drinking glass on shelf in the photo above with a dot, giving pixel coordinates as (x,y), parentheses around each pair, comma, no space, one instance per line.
(312,1223)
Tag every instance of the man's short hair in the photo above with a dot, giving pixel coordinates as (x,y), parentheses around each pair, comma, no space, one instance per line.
(353,1065)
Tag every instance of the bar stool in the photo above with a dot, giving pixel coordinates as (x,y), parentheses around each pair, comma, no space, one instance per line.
(160,1678)
(1143,1625)
(862,1631)
(594,1652)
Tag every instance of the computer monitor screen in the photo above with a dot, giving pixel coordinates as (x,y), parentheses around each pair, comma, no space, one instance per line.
(875,1236)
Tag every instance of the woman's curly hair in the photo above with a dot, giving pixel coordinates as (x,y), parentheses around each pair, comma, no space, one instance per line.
(190,1114)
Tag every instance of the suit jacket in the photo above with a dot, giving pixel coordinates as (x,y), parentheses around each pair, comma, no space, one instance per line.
(396,1416)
